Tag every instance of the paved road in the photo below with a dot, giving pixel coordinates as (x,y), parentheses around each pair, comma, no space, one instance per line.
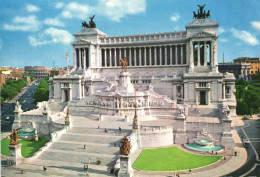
(7,116)
(251,130)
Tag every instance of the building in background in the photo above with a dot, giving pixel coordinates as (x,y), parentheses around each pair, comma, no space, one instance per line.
(2,79)
(58,71)
(16,73)
(255,63)
(240,70)
(39,72)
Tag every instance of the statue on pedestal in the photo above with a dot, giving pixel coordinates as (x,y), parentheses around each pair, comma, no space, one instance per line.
(91,24)
(124,64)
(201,13)
(14,138)
(125,146)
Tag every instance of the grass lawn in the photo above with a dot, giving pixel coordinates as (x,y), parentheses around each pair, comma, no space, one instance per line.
(29,147)
(171,159)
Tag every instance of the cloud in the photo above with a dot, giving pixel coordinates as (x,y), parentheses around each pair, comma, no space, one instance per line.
(111,9)
(59,5)
(256,25)
(53,22)
(117,9)
(51,35)
(222,40)
(76,10)
(175,17)
(32,8)
(244,36)
(29,23)
(221,30)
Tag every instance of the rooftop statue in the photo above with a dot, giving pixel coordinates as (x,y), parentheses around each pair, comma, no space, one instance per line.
(91,24)
(201,13)
(14,138)
(125,146)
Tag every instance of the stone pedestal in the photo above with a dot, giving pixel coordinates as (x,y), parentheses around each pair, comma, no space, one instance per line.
(15,156)
(125,167)
(17,112)
(124,84)
(227,137)
(181,136)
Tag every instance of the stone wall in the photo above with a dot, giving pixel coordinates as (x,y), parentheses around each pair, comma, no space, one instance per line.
(155,137)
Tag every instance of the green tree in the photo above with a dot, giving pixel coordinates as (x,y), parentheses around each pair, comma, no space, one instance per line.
(2,100)
(42,92)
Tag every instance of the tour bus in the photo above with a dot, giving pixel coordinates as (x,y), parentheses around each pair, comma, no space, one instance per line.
(246,143)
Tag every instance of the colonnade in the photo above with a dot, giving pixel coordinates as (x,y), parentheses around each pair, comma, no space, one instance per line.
(145,56)
(202,53)
(81,58)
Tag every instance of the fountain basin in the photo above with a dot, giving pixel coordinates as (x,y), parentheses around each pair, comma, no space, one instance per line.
(203,142)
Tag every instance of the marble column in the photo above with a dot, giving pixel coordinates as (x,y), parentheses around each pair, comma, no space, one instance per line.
(212,54)
(150,56)
(140,56)
(171,55)
(130,56)
(125,52)
(120,54)
(80,56)
(145,63)
(181,54)
(115,57)
(160,54)
(105,55)
(191,58)
(135,64)
(155,55)
(176,55)
(110,57)
(84,58)
(165,55)
(205,53)
(198,54)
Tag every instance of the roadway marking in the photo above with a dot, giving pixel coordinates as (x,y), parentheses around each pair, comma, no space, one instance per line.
(257,157)
(252,169)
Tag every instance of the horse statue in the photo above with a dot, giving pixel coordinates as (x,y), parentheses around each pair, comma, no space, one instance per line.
(91,24)
(194,15)
(124,64)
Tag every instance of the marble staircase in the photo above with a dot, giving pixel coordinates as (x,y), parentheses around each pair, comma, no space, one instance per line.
(99,145)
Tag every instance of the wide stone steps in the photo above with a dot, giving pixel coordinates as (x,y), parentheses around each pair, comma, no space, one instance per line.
(91,139)
(100,131)
(90,148)
(79,157)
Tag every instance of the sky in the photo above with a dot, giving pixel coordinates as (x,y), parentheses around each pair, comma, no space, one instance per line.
(38,32)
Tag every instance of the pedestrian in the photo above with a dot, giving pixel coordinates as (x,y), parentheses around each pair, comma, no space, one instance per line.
(212,152)
(84,146)
(216,153)
(105,130)
(44,168)
(120,129)
(235,153)
(98,127)
(189,170)
(115,144)
(224,157)
(88,161)
(87,173)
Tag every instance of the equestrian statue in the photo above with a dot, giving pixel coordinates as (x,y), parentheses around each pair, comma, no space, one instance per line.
(91,24)
(124,64)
